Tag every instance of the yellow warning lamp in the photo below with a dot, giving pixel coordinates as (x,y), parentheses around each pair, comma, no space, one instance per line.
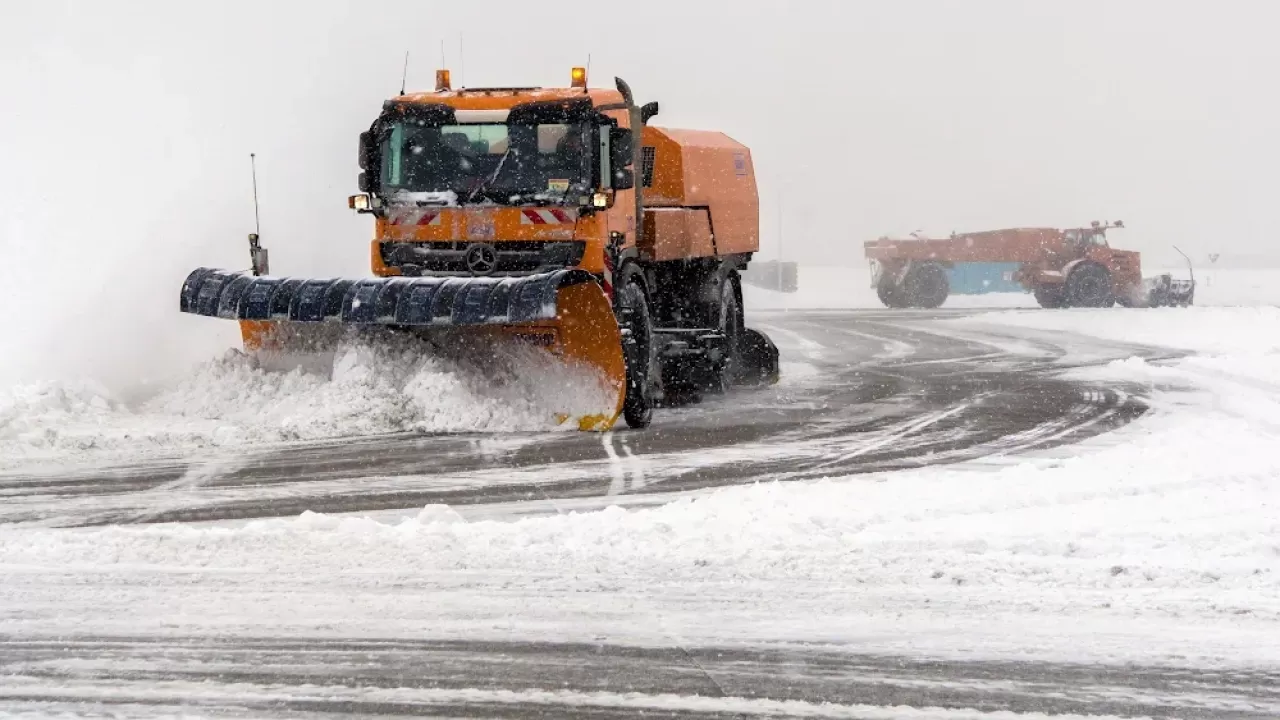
(579,76)
(442,80)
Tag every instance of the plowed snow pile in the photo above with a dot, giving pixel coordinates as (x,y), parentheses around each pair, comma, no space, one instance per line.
(363,388)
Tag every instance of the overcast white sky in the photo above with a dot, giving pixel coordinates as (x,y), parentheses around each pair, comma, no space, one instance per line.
(126,126)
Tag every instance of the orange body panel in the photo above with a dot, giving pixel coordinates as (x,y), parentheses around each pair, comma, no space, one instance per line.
(681,233)
(1012,245)
(703,169)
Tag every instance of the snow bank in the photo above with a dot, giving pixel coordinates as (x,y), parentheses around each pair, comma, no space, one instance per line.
(1236,331)
(363,388)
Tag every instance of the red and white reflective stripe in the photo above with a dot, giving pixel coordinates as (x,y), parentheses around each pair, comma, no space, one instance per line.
(426,217)
(544,216)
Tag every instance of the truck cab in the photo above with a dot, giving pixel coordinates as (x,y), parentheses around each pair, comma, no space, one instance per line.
(498,181)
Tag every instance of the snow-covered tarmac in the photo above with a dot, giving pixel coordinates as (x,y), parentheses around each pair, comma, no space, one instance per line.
(1157,541)
(1156,544)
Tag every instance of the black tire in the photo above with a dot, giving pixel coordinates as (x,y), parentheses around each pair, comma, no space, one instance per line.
(1050,296)
(729,322)
(1089,286)
(889,294)
(926,286)
(637,347)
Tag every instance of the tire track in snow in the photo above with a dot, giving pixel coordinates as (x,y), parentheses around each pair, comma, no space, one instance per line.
(283,677)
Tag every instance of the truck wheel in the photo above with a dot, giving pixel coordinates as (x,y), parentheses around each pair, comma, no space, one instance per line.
(926,286)
(889,294)
(637,348)
(730,324)
(1050,296)
(1089,286)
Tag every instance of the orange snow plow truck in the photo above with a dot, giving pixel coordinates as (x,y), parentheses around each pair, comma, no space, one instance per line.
(551,219)
(1063,268)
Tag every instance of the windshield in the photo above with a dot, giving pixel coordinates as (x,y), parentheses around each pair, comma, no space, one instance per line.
(1086,237)
(486,162)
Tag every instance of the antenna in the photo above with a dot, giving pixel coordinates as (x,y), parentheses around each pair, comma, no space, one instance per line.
(253,168)
(443,62)
(462,64)
(404,74)
(257,254)
(584,87)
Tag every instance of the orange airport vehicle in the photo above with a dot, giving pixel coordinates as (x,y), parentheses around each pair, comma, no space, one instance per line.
(541,217)
(1074,267)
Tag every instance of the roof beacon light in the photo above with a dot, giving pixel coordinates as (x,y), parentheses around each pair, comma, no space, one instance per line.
(579,76)
(442,80)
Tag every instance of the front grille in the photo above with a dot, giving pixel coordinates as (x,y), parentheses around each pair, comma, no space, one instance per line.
(515,257)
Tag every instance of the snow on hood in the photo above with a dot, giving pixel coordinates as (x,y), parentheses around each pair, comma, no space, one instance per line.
(447,198)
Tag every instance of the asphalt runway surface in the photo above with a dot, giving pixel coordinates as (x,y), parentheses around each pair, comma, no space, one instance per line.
(263,677)
(863,392)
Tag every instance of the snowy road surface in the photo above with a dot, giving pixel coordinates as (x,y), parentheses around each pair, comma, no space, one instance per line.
(862,393)
(1018,514)
(141,677)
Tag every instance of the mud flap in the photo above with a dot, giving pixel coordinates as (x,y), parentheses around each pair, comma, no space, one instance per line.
(564,312)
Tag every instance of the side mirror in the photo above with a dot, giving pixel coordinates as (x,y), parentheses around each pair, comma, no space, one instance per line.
(619,147)
(367,150)
(363,181)
(623,179)
(648,110)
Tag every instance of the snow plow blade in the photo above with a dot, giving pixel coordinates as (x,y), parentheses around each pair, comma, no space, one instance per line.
(564,312)
(1165,291)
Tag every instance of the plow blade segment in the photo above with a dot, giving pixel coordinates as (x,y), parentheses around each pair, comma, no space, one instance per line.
(563,312)
(417,301)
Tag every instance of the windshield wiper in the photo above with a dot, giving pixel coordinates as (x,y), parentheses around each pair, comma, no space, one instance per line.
(484,186)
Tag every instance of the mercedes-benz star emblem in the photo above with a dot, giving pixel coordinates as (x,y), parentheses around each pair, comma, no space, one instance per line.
(481,258)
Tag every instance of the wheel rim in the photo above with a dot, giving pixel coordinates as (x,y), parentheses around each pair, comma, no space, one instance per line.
(1090,290)
(927,288)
